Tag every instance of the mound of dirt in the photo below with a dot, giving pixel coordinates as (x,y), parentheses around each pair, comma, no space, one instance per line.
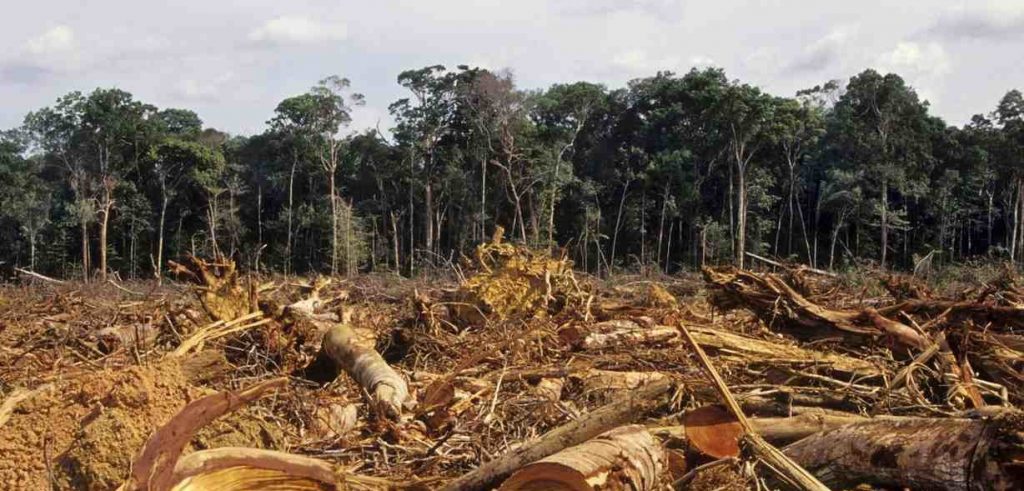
(83,432)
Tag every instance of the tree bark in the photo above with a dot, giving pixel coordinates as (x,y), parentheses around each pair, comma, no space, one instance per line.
(107,206)
(917,453)
(291,196)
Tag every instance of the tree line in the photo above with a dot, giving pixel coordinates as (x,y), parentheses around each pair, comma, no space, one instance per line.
(670,172)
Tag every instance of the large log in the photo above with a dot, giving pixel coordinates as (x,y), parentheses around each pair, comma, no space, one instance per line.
(919,453)
(623,458)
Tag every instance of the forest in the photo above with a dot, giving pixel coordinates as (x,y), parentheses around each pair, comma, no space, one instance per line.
(671,172)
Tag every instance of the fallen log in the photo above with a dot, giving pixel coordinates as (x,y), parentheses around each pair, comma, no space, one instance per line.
(623,458)
(1002,317)
(309,332)
(712,431)
(919,453)
(620,412)
(252,468)
(359,359)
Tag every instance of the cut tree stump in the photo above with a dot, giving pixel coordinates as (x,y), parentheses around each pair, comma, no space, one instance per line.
(624,458)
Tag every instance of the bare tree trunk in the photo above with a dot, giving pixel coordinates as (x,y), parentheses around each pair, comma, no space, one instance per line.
(803,226)
(334,220)
(107,205)
(741,205)
(395,241)
(618,223)
(835,237)
(661,224)
(554,199)
(84,227)
(291,202)
(32,249)
(483,200)
(884,198)
(160,241)
(428,204)
(988,242)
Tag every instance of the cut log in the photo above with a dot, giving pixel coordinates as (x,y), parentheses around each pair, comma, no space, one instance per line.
(612,415)
(623,458)
(360,360)
(919,453)
(712,431)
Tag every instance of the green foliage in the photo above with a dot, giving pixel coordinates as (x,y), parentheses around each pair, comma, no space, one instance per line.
(670,171)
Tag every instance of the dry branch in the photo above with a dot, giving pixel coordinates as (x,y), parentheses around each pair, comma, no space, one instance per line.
(779,462)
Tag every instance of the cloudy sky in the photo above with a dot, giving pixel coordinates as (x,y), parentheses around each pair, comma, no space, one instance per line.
(233,60)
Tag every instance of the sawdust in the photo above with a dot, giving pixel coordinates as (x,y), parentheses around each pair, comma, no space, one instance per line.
(84,432)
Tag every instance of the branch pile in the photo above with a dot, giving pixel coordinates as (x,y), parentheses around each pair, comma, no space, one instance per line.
(514,377)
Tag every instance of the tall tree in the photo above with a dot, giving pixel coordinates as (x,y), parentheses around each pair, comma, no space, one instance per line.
(747,113)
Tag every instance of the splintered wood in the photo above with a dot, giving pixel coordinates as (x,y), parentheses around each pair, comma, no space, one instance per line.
(519,375)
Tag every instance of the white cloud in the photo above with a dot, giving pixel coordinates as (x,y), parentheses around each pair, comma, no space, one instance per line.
(701,61)
(205,89)
(640,61)
(916,59)
(59,39)
(922,65)
(293,29)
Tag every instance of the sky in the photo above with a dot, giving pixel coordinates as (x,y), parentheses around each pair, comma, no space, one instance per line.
(232,61)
